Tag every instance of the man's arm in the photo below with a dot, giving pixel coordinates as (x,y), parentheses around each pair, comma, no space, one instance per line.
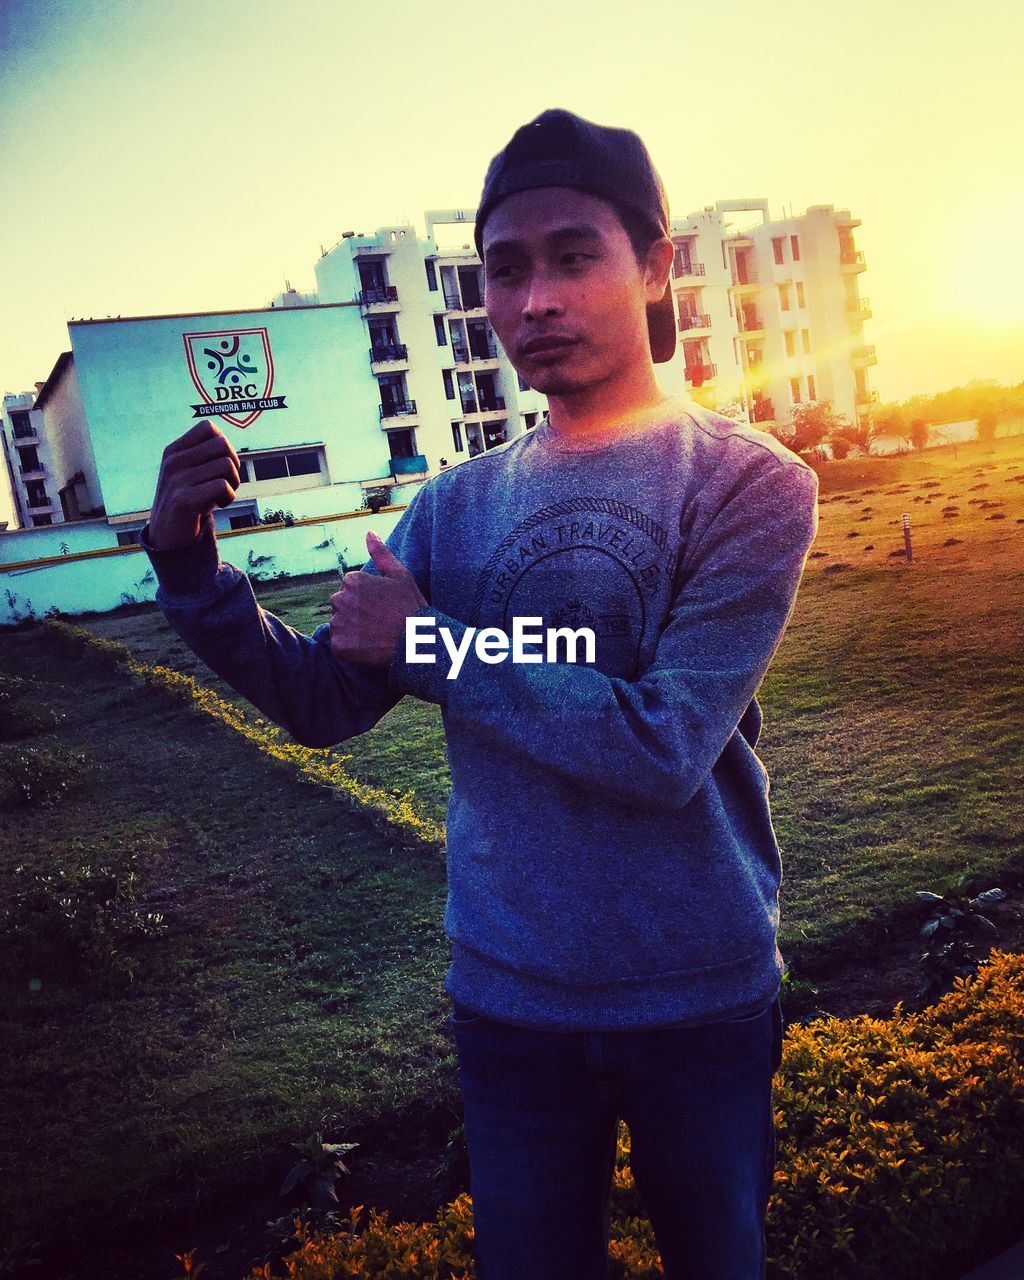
(651,741)
(293,679)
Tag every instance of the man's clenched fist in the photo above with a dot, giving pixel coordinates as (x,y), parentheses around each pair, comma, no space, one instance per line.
(369,612)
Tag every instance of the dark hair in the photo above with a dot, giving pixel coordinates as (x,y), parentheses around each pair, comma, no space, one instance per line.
(641,233)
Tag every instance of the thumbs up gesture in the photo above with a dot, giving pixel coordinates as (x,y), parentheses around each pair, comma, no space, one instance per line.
(369,612)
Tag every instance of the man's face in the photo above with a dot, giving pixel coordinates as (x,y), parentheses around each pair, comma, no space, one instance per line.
(559,264)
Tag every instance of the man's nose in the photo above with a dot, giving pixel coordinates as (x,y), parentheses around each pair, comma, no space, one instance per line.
(542,297)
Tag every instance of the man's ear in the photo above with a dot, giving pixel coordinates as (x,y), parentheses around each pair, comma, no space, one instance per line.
(659,268)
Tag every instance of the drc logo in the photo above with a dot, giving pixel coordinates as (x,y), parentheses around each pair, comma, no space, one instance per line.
(233,370)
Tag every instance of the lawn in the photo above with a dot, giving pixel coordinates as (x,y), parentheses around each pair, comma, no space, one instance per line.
(299,982)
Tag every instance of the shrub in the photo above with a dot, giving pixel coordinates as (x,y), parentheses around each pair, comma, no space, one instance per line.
(375,498)
(900,1141)
(18,720)
(58,920)
(36,775)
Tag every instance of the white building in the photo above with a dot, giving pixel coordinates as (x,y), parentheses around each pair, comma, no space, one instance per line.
(29,462)
(771,316)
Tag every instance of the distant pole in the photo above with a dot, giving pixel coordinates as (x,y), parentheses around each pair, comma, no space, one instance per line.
(906,537)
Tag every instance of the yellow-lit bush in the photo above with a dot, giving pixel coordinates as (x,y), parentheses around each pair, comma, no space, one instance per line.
(900,1140)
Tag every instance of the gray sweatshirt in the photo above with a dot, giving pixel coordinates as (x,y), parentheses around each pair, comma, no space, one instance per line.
(611,856)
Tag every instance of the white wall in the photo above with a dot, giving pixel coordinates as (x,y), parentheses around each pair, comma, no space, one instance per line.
(79,585)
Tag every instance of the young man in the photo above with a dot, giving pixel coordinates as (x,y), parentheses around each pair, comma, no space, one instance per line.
(613,870)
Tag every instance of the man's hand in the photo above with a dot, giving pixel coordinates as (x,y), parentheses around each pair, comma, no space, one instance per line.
(199,470)
(369,612)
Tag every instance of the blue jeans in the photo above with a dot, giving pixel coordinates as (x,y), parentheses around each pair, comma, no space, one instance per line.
(541,1112)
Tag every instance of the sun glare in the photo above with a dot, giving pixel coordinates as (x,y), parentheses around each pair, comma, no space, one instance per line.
(984,269)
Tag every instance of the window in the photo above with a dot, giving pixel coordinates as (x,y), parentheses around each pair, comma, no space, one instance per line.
(784,296)
(449,386)
(777,242)
(530,420)
(306,463)
(36,491)
(439,331)
(431,275)
(272,467)
(242,522)
(128,537)
(794,390)
(790,344)
(794,244)
(21,422)
(806,333)
(39,520)
(799,293)
(523,386)
(29,458)
(811,395)
(457,437)
(243,470)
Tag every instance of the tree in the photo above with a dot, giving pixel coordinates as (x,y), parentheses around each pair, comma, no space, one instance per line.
(840,446)
(987,423)
(918,433)
(812,423)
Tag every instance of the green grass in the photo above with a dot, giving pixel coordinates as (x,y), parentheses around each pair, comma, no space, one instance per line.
(301,975)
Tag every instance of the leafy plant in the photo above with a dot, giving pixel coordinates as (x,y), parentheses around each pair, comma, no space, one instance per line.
(63,917)
(958,928)
(377,497)
(313,1176)
(36,775)
(278,516)
(18,720)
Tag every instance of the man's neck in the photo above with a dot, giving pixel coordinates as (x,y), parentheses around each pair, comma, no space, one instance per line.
(596,410)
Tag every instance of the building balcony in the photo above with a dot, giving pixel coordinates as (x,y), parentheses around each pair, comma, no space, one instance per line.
(474,352)
(410,466)
(858,308)
(37,472)
(369,250)
(398,409)
(866,398)
(698,374)
(687,270)
(453,302)
(388,352)
(750,322)
(21,436)
(852,260)
(43,505)
(386,297)
(863,356)
(844,218)
(749,285)
(698,320)
(493,404)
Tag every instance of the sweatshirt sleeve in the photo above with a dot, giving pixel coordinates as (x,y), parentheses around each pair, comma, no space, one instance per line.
(292,678)
(652,741)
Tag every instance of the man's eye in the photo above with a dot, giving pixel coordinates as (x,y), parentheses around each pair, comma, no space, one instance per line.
(576,255)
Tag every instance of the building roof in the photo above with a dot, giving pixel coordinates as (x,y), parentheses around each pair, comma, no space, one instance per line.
(195,315)
(56,373)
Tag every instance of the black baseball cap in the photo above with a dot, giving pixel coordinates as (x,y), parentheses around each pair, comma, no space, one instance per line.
(561,149)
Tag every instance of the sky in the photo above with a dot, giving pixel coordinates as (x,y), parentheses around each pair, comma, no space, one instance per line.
(164,156)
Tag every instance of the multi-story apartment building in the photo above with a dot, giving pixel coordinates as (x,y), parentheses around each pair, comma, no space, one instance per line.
(30,461)
(771,316)
(447,389)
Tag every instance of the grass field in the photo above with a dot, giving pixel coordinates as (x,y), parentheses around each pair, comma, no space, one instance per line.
(300,980)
